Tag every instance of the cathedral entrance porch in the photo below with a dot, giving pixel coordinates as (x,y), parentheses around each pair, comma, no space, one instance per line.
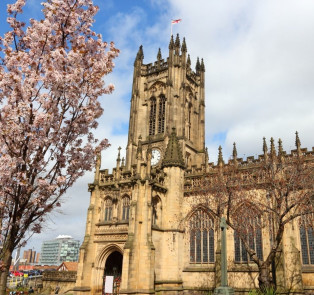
(112,273)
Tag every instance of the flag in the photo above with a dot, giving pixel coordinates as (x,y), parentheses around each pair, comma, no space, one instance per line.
(175,21)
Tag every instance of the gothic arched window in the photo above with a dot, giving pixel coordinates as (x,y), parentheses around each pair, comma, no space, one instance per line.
(156,211)
(125,208)
(202,244)
(161,114)
(307,245)
(108,209)
(252,232)
(307,240)
(152,116)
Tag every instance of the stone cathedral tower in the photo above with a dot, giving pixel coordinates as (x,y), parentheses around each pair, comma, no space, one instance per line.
(138,229)
(166,95)
(134,213)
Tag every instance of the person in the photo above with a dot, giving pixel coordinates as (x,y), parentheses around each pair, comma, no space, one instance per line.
(31,290)
(57,290)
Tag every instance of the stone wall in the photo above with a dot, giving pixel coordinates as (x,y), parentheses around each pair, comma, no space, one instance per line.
(64,279)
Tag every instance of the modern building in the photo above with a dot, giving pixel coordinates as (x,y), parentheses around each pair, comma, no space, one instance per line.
(37,258)
(30,256)
(143,227)
(63,248)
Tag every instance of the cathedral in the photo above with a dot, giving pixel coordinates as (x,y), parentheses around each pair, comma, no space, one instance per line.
(137,222)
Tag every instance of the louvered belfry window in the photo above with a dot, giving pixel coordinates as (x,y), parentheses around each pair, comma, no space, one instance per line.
(152,116)
(161,114)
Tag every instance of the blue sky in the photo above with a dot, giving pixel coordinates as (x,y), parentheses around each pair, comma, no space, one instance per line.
(259,76)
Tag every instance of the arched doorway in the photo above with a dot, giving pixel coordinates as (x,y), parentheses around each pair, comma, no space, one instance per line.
(113,270)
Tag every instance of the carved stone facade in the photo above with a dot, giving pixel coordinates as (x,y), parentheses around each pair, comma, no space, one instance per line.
(142,210)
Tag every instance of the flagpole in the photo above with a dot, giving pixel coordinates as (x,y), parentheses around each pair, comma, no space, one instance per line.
(171,29)
(174,21)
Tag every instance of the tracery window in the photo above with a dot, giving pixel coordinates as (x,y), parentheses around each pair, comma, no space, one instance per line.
(125,208)
(161,114)
(307,245)
(253,234)
(108,209)
(202,244)
(307,240)
(152,116)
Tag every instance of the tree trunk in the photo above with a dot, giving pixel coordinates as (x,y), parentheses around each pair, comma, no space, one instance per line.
(7,259)
(264,278)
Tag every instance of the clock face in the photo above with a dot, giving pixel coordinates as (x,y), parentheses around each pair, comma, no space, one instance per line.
(155,157)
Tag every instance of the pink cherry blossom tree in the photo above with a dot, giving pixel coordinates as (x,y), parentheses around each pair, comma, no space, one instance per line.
(51,76)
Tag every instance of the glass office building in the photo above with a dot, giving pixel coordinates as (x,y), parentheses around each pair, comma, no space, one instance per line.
(63,248)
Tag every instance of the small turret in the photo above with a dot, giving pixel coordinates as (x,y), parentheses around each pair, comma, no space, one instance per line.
(235,153)
(159,59)
(171,43)
(183,52)
(198,66)
(201,73)
(139,55)
(171,53)
(280,151)
(298,143)
(183,47)
(202,67)
(159,55)
(118,158)
(265,149)
(137,67)
(272,149)
(177,46)
(177,43)
(188,61)
(173,155)
(220,157)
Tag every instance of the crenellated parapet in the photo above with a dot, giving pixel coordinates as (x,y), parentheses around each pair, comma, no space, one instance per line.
(154,68)
(246,166)
(177,58)
(127,178)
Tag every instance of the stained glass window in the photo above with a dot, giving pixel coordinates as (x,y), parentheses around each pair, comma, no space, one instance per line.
(202,248)
(253,237)
(307,245)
